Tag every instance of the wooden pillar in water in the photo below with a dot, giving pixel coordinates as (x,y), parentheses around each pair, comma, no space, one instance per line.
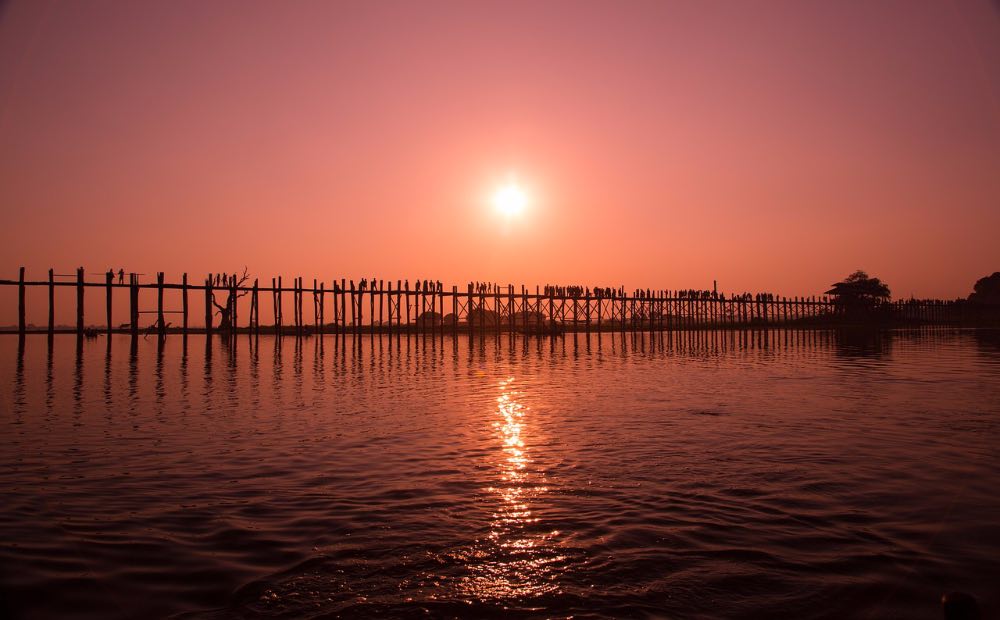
(468,309)
(406,297)
(300,289)
(371,306)
(109,279)
(354,310)
(530,314)
(233,290)
(482,312)
(510,308)
(133,305)
(496,307)
(322,308)
(345,296)
(315,298)
(255,307)
(388,316)
(381,301)
(52,302)
(433,307)
(79,301)
(22,325)
(184,302)
(208,305)
(297,304)
(274,304)
(336,308)
(160,321)
(454,309)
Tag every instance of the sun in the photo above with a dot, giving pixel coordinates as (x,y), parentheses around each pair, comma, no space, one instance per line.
(510,199)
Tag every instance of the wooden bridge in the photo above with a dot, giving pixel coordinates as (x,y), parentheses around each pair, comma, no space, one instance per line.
(346,307)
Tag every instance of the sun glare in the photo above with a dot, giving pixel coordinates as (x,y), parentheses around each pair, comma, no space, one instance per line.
(510,200)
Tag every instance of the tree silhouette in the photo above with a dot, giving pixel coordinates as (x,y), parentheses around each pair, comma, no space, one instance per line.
(861,297)
(987,290)
(232,286)
(860,288)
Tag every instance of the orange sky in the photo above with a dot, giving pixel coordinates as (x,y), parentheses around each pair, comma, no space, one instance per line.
(769,145)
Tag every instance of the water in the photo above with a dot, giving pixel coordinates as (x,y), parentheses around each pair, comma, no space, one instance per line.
(781,474)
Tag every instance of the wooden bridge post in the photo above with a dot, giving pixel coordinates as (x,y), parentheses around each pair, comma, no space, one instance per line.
(279,307)
(525,305)
(22,326)
(343,305)
(79,302)
(381,302)
(52,302)
(208,305)
(274,303)
(161,326)
(336,306)
(233,290)
(388,316)
(354,310)
(439,291)
(297,304)
(406,296)
(371,305)
(133,305)
(454,309)
(552,301)
(322,308)
(399,308)
(184,303)
(109,279)
(468,309)
(433,308)
(496,306)
(315,298)
(482,311)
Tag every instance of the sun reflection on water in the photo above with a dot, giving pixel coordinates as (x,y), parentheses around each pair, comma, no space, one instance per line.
(520,557)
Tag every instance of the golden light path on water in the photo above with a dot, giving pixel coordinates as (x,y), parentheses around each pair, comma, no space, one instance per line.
(520,558)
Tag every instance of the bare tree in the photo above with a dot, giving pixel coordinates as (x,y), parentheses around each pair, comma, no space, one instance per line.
(233,285)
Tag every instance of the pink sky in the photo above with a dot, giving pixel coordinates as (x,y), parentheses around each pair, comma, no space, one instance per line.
(769,145)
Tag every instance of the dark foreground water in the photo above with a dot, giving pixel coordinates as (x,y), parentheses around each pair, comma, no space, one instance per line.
(786,474)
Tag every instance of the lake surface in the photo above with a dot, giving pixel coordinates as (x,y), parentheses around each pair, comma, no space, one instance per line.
(700,475)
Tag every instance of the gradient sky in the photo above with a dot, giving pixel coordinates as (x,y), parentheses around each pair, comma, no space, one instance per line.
(769,145)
